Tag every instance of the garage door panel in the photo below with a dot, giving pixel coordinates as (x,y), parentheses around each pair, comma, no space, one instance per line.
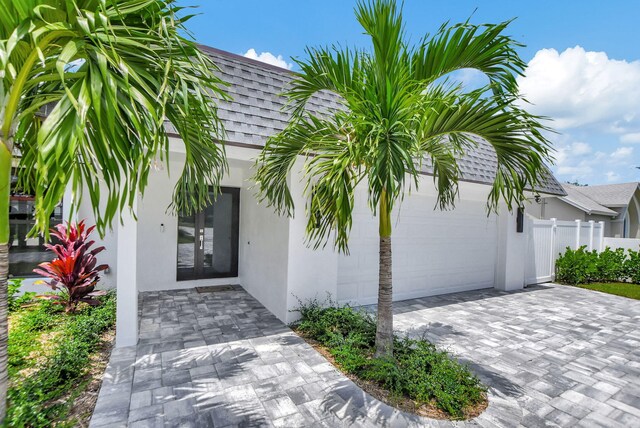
(435,252)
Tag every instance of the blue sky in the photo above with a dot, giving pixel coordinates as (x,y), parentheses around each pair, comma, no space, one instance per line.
(584,61)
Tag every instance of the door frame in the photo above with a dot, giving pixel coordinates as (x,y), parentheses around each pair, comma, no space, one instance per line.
(199,272)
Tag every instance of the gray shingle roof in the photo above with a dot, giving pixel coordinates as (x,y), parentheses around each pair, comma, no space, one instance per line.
(611,195)
(578,199)
(256,113)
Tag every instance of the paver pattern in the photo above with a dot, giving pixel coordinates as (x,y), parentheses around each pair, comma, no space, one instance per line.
(568,356)
(551,355)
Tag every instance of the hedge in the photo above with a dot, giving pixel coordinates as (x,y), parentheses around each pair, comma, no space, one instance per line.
(581,266)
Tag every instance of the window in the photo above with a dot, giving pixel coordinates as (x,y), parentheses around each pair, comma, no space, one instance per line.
(26,253)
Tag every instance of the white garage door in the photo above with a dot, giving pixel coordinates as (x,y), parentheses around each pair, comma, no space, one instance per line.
(434,252)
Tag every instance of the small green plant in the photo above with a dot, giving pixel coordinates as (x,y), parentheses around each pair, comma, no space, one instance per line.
(632,266)
(610,265)
(35,398)
(577,266)
(418,370)
(16,300)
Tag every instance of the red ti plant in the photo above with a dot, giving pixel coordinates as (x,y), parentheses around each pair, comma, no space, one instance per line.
(74,268)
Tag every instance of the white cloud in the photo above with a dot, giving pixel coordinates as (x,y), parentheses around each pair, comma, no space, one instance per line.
(572,160)
(612,176)
(622,153)
(579,148)
(578,161)
(577,88)
(268,58)
(631,138)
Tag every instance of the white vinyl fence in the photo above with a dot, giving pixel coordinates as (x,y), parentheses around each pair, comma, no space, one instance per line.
(626,243)
(546,239)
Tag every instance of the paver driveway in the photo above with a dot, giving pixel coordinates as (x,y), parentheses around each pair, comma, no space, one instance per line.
(551,355)
(568,356)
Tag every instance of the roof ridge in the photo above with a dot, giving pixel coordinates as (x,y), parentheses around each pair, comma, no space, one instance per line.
(578,204)
(251,61)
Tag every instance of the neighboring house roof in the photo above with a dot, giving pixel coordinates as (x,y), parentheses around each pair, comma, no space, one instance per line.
(576,198)
(257,112)
(611,195)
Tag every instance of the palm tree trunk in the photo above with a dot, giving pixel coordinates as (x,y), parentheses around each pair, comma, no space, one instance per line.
(384,328)
(5,188)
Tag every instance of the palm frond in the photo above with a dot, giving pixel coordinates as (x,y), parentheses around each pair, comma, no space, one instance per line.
(520,147)
(110,74)
(481,47)
(401,115)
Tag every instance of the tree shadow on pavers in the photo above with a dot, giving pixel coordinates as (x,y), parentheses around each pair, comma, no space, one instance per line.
(434,332)
(494,380)
(349,403)
(238,415)
(186,358)
(231,363)
(238,406)
(411,305)
(353,406)
(290,340)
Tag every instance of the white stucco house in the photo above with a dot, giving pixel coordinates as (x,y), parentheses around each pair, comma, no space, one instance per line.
(239,241)
(616,205)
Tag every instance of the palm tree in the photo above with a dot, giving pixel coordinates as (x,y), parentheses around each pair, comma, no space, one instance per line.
(401,115)
(86,88)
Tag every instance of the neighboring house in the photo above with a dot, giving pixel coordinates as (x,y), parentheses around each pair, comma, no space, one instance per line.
(617,205)
(237,240)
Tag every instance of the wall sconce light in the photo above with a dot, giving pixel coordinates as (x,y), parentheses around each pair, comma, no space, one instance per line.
(520,220)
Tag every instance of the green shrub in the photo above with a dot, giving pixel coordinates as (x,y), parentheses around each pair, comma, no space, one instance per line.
(432,374)
(326,322)
(582,267)
(34,401)
(632,266)
(418,370)
(577,266)
(610,265)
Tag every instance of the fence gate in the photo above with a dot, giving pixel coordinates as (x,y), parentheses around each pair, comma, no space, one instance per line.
(546,239)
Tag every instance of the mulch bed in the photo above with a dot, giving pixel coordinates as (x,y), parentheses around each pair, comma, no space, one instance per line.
(402,403)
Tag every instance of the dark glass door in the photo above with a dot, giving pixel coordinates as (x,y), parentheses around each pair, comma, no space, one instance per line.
(208,240)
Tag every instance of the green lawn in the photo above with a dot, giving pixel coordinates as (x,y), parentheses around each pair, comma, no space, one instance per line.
(623,289)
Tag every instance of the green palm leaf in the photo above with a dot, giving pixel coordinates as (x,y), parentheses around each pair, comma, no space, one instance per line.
(113,72)
(401,117)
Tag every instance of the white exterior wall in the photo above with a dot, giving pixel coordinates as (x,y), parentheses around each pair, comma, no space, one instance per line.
(311,274)
(263,253)
(434,252)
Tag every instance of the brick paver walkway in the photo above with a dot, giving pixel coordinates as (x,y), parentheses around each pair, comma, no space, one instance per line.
(552,356)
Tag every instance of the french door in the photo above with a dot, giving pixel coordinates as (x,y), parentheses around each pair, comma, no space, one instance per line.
(208,240)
